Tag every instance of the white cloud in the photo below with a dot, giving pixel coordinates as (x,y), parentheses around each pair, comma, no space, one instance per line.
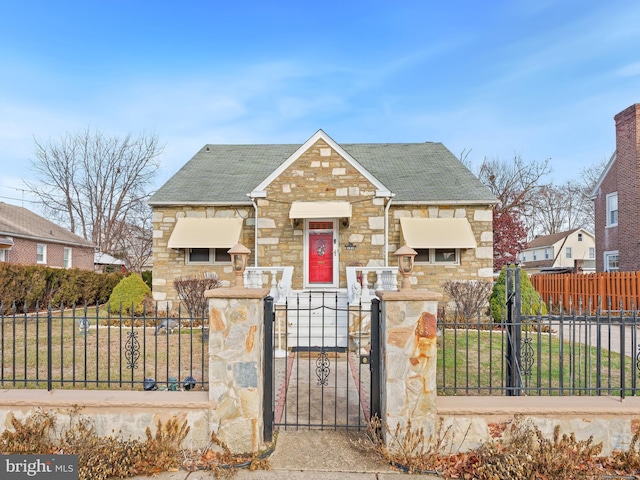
(629,70)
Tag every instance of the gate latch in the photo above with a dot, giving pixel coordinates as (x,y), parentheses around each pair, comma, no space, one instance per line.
(365,359)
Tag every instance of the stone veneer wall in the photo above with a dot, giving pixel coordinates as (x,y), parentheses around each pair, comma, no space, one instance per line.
(321,174)
(169,263)
(474,264)
(236,366)
(408,353)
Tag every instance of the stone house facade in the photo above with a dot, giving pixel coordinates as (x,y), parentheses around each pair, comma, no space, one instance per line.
(29,239)
(321,207)
(616,198)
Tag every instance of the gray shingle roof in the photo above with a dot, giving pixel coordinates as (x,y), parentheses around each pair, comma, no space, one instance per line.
(414,172)
(19,222)
(549,240)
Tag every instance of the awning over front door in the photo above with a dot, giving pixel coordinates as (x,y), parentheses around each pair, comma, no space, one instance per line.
(320,210)
(438,233)
(205,233)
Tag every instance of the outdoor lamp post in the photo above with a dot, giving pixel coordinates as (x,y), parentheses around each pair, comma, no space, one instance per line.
(239,254)
(405,256)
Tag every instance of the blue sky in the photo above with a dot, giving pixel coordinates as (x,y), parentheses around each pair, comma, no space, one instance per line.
(540,79)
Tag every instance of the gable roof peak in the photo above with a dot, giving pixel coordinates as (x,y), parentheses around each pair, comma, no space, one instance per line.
(319,135)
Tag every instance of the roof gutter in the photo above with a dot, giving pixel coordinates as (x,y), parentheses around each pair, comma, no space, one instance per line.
(49,240)
(199,204)
(447,202)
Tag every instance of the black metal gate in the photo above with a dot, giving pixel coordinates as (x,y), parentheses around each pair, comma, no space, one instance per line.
(519,355)
(322,360)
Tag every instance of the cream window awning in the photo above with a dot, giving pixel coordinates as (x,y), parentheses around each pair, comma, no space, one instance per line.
(320,210)
(205,233)
(437,233)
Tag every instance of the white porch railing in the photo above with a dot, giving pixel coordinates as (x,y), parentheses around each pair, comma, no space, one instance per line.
(279,278)
(359,286)
(385,278)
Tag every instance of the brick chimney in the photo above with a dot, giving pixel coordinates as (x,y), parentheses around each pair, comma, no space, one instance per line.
(628,174)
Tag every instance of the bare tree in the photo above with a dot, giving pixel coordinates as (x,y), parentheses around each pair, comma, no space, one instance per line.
(135,238)
(558,208)
(589,176)
(515,183)
(93,182)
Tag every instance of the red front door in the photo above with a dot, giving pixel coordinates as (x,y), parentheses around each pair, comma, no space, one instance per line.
(321,252)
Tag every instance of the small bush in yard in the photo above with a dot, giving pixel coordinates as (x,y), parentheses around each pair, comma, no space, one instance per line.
(521,453)
(102,457)
(98,457)
(470,297)
(191,290)
(130,295)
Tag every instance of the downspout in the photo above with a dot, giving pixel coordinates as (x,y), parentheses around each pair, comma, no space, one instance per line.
(255,233)
(386,230)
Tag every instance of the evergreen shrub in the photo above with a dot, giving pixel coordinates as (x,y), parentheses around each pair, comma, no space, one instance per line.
(129,295)
(532,303)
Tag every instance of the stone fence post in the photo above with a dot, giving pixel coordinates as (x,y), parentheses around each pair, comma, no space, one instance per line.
(408,360)
(236,366)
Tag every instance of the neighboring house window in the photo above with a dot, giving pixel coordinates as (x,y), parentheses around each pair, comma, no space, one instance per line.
(579,237)
(436,255)
(546,254)
(612,209)
(3,255)
(535,255)
(592,252)
(524,257)
(611,262)
(68,255)
(41,253)
(208,255)
(569,252)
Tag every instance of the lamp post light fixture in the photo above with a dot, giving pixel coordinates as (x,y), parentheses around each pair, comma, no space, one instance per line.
(239,254)
(405,255)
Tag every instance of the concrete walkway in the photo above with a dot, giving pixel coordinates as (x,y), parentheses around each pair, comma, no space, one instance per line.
(313,454)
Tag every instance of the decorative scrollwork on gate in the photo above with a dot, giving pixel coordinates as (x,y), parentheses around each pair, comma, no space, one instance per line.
(527,357)
(638,361)
(323,369)
(132,350)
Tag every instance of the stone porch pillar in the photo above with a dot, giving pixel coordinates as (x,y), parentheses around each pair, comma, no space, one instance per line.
(236,365)
(408,359)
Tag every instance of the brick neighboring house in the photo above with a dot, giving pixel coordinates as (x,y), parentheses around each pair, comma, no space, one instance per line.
(616,198)
(29,239)
(321,207)
(570,251)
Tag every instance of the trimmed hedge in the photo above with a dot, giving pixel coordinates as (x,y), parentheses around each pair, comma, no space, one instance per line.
(28,285)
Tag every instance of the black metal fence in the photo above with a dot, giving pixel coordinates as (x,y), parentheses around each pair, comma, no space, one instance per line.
(92,348)
(561,354)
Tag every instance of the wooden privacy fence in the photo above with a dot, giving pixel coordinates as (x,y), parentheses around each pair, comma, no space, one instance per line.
(577,291)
